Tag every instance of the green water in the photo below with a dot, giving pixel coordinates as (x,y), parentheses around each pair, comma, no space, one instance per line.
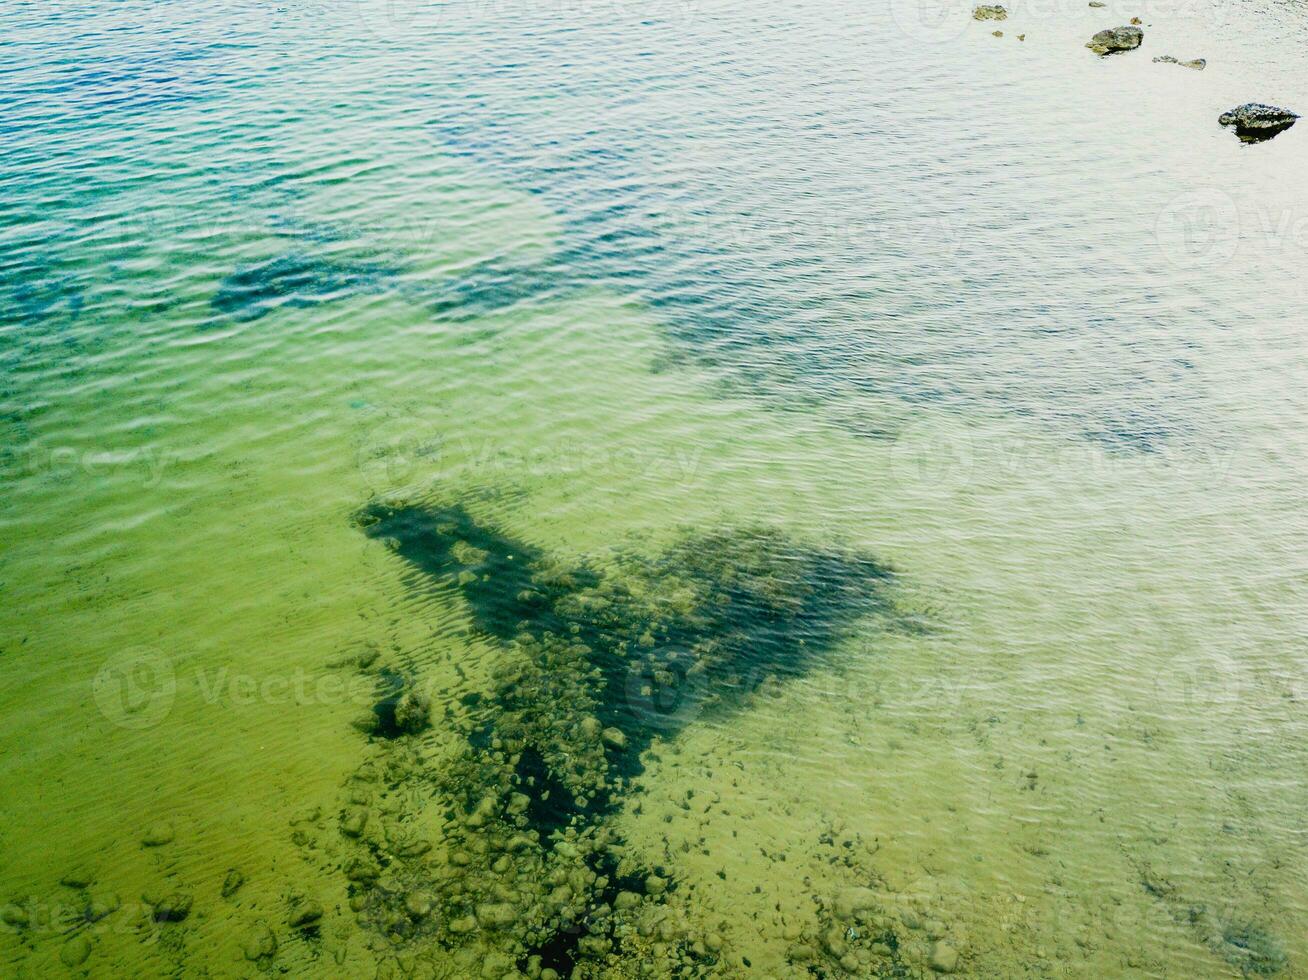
(1059,732)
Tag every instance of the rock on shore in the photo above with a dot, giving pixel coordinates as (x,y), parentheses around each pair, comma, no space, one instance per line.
(1255,121)
(1116,39)
(1198,64)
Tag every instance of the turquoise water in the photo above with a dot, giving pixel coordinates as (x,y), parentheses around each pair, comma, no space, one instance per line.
(798,490)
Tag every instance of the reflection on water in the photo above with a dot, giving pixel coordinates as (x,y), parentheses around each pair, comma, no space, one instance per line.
(454,458)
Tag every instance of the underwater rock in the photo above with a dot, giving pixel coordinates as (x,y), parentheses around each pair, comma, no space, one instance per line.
(101,906)
(232,883)
(15,916)
(361,657)
(851,901)
(1255,121)
(402,710)
(260,944)
(75,951)
(1116,39)
(77,878)
(496,915)
(943,957)
(158,834)
(304,913)
(362,868)
(419,904)
(1098,3)
(354,821)
(990,12)
(172,908)
(413,712)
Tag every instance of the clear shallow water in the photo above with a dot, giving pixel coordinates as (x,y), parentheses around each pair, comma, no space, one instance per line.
(1017,322)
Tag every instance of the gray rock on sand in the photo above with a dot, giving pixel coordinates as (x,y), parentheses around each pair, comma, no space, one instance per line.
(1198,64)
(1098,3)
(1115,39)
(1255,121)
(990,12)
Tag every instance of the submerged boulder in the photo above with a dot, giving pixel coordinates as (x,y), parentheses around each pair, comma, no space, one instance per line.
(1255,121)
(990,12)
(172,908)
(1115,39)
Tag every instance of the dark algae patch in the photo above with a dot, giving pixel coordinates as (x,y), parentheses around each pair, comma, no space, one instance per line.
(296,279)
(526,866)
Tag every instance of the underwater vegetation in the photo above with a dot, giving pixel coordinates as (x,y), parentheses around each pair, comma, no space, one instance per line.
(596,666)
(295,279)
(1242,944)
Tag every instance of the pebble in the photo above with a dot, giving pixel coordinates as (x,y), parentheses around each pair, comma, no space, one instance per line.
(15,916)
(260,944)
(305,912)
(800,953)
(173,908)
(75,951)
(496,915)
(362,869)
(626,900)
(614,737)
(353,822)
(102,906)
(77,878)
(366,722)
(851,901)
(654,885)
(418,904)
(232,883)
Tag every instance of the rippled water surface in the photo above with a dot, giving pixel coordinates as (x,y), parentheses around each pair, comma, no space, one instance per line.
(669,489)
